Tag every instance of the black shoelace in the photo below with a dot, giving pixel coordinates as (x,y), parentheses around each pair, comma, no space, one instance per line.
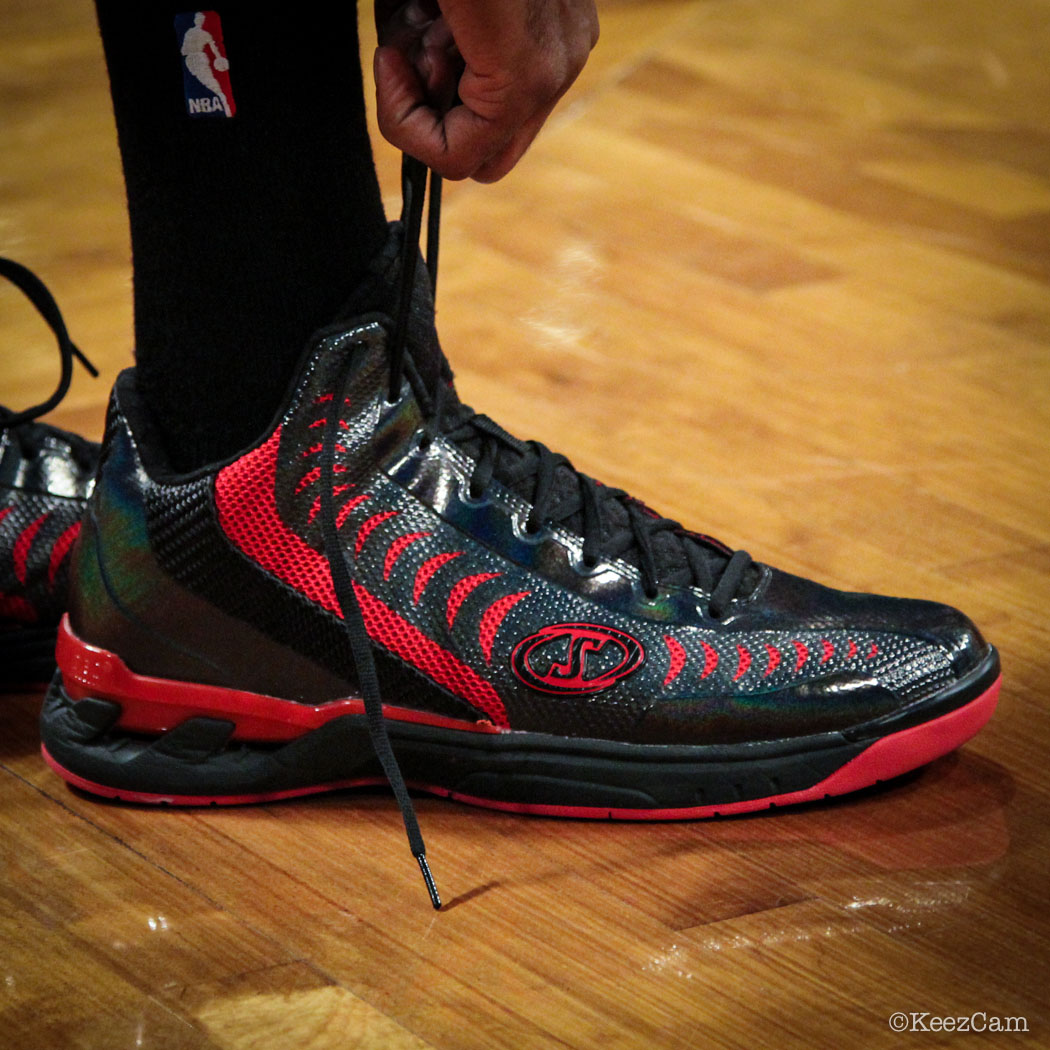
(21,424)
(611,523)
(342,572)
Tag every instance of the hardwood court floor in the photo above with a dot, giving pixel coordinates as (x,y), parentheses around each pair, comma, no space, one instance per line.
(780,268)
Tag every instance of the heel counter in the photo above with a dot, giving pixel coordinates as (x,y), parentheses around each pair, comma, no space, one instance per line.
(109,565)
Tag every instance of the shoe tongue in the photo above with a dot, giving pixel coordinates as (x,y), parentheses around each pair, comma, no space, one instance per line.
(378,293)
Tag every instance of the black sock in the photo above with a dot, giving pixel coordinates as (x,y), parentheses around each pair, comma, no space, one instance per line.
(248,232)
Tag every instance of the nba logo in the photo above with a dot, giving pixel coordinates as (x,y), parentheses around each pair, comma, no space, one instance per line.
(205,67)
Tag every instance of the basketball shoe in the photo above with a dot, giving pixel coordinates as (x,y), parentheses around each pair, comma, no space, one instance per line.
(387,583)
(45,477)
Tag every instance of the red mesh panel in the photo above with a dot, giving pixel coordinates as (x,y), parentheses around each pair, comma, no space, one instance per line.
(676,652)
(23,545)
(427,570)
(397,548)
(710,660)
(828,650)
(462,589)
(774,659)
(369,526)
(60,550)
(493,617)
(247,509)
(401,638)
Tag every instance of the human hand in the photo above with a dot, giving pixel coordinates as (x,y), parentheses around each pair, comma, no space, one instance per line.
(466,86)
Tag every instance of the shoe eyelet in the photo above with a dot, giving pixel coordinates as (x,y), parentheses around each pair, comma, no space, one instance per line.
(584,568)
(522,532)
(468,499)
(644,597)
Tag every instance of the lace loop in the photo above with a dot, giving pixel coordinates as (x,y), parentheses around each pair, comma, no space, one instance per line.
(37,293)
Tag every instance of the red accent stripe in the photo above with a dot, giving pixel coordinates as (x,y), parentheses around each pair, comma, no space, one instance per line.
(829,650)
(370,525)
(873,651)
(60,550)
(308,479)
(412,645)
(492,619)
(247,509)
(676,654)
(348,508)
(462,590)
(314,449)
(315,507)
(743,663)
(886,758)
(4,513)
(397,548)
(313,474)
(23,545)
(852,650)
(710,660)
(427,570)
(803,655)
(774,659)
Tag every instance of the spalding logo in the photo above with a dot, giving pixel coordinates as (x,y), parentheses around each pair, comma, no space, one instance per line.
(576,658)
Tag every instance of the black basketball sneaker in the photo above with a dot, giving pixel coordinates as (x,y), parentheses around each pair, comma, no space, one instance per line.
(45,477)
(387,580)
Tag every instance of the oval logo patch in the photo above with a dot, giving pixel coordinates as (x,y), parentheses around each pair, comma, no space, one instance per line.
(576,658)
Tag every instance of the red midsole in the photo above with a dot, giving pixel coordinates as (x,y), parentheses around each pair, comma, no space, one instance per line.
(155,705)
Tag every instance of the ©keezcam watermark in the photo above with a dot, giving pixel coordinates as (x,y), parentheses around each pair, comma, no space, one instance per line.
(978,1021)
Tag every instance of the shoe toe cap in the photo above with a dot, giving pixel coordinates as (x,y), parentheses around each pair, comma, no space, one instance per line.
(937,635)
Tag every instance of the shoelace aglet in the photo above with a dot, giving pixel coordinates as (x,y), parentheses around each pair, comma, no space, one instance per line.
(428,878)
(82,358)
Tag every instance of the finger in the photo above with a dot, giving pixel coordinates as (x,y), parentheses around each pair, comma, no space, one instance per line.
(504,160)
(454,145)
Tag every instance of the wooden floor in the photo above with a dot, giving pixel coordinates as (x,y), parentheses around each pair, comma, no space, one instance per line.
(779,267)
